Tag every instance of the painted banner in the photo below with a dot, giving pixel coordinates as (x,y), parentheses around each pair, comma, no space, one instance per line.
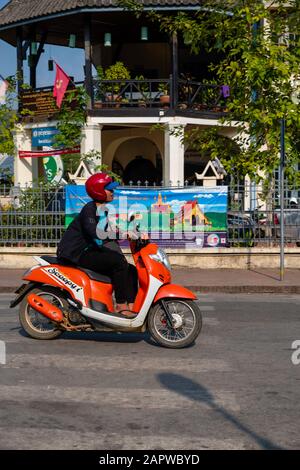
(192,217)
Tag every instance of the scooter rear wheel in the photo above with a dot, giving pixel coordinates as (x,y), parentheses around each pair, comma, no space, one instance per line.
(34,323)
(187,323)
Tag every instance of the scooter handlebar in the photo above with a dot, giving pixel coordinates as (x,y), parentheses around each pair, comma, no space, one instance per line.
(138,244)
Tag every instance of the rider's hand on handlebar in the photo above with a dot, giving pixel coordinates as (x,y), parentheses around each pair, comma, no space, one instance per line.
(132,235)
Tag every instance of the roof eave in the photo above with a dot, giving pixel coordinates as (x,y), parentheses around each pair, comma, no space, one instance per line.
(89,10)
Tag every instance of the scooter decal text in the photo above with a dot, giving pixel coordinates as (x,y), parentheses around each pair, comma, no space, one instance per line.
(64,279)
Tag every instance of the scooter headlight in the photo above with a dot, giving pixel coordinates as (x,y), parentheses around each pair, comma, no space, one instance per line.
(162,258)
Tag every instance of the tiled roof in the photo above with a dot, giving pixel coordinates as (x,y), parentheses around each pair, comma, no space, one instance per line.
(20,10)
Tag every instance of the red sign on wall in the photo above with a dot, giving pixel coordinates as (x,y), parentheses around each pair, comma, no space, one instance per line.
(49,153)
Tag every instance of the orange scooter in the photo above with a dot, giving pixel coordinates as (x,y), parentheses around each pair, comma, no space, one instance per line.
(60,298)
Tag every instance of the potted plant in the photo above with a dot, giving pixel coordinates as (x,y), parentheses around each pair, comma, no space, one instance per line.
(185,90)
(165,96)
(143,88)
(119,72)
(125,102)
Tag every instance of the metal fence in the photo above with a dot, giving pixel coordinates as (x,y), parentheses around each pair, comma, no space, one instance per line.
(32,216)
(253,216)
(36,216)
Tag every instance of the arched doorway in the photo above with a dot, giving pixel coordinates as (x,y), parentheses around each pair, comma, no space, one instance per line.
(138,159)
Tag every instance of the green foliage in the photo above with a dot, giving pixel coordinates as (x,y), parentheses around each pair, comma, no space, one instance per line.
(105,169)
(8,119)
(71,163)
(143,87)
(100,72)
(260,62)
(32,220)
(38,197)
(71,119)
(117,71)
(91,157)
(101,88)
(164,88)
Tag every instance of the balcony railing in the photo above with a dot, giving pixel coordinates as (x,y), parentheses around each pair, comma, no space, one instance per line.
(130,93)
(184,96)
(196,96)
(158,93)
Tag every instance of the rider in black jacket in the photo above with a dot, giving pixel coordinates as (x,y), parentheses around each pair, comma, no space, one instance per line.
(80,235)
(84,244)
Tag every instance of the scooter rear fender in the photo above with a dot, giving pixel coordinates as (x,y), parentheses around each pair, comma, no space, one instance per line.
(174,291)
(74,281)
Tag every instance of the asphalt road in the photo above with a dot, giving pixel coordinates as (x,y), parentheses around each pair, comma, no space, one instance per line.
(236,388)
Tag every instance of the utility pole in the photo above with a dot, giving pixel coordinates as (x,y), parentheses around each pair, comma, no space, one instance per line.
(281,182)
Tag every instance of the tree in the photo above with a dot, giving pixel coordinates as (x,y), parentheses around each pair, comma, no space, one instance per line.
(258,43)
(71,120)
(8,119)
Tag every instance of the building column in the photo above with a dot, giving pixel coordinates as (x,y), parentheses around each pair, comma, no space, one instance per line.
(20,71)
(175,72)
(173,169)
(92,140)
(25,169)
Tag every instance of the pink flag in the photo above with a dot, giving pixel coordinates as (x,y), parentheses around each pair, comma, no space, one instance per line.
(60,86)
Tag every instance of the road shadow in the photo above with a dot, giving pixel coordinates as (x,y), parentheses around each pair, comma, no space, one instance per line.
(194,391)
(110,337)
(152,342)
(105,337)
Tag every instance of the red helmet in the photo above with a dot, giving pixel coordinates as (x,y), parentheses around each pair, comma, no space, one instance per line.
(97,184)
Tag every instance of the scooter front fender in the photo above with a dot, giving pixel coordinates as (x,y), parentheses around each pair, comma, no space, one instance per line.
(174,291)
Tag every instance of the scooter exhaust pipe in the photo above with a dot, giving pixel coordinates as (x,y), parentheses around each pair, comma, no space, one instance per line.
(45,308)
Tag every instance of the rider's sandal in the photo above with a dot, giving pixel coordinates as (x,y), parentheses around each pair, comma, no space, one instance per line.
(130,314)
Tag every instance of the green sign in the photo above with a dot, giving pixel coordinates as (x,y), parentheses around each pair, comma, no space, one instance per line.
(54,168)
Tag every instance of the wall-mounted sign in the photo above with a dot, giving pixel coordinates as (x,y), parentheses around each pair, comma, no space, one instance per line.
(54,168)
(43,136)
(48,153)
(40,103)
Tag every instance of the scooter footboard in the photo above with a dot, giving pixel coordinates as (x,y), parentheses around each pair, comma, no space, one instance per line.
(174,291)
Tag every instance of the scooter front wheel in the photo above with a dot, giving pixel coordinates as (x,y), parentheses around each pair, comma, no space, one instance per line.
(186,323)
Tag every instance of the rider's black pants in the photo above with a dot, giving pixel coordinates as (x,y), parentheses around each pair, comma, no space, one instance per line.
(113,264)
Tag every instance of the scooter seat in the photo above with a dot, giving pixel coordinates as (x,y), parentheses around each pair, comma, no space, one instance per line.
(92,274)
(96,276)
